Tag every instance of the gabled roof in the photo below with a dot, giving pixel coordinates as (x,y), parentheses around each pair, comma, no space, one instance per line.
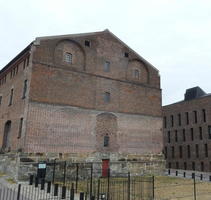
(37,41)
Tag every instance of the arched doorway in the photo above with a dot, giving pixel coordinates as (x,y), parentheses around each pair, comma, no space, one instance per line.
(7,129)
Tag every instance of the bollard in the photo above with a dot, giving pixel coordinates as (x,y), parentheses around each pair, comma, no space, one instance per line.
(81,196)
(31,178)
(63,192)
(56,186)
(36,182)
(49,187)
(42,184)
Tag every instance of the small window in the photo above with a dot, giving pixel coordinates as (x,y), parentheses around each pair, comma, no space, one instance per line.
(197,150)
(68,57)
(189,151)
(200,133)
(172,152)
(24,89)
(166,152)
(164,122)
(136,74)
(180,152)
(172,120)
(169,137)
(185,166)
(106,66)
(107,97)
(87,43)
(187,118)
(191,132)
(106,141)
(27,61)
(202,166)
(20,128)
(126,54)
(11,97)
(193,166)
(179,119)
(204,115)
(209,132)
(176,136)
(0,100)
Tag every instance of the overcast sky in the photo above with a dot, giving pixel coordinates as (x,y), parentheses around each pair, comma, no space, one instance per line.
(173,35)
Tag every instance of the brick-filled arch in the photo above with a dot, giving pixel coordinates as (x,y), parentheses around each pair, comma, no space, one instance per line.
(75,49)
(106,127)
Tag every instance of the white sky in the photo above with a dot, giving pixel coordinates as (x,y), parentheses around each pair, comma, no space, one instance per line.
(173,35)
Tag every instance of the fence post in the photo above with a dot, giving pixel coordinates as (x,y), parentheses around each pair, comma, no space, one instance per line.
(19,191)
(98,189)
(128,187)
(56,186)
(91,181)
(31,178)
(42,184)
(153,187)
(63,192)
(72,192)
(76,184)
(194,187)
(49,187)
(108,189)
(54,168)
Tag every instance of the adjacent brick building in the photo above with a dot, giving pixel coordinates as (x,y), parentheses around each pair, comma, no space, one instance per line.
(187,132)
(86,95)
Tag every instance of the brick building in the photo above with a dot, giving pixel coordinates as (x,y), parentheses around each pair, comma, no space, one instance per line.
(187,132)
(86,95)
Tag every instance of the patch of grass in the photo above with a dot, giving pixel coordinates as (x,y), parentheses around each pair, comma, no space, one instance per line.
(11,180)
(2,174)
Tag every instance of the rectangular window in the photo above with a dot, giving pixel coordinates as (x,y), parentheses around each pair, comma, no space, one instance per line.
(11,97)
(185,166)
(204,115)
(164,122)
(87,43)
(172,152)
(195,116)
(193,166)
(24,64)
(191,133)
(169,137)
(209,132)
(107,97)
(24,89)
(177,165)
(27,60)
(106,66)
(179,119)
(166,153)
(202,166)
(169,165)
(106,141)
(187,118)
(68,57)
(197,150)
(0,100)
(180,152)
(136,74)
(20,128)
(206,150)
(184,136)
(188,148)
(176,136)
(200,133)
(172,120)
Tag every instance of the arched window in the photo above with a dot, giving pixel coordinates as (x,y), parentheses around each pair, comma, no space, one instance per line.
(7,128)
(136,74)
(106,141)
(68,57)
